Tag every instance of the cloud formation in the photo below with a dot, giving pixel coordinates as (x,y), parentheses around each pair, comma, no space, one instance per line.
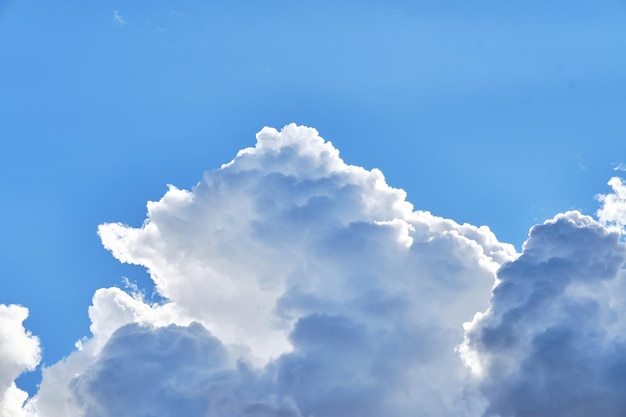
(297,285)
(613,210)
(314,275)
(19,352)
(286,227)
(552,341)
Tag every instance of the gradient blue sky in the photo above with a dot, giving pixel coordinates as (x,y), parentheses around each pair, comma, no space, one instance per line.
(484,112)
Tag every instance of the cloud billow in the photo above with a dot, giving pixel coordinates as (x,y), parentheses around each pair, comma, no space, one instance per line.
(346,297)
(19,352)
(552,342)
(296,285)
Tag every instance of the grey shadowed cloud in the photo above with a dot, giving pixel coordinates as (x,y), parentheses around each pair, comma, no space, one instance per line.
(552,341)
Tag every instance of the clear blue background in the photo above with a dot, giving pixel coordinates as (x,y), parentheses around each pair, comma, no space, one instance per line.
(484,112)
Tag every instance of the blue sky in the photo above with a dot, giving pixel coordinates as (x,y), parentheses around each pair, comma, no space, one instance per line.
(485,113)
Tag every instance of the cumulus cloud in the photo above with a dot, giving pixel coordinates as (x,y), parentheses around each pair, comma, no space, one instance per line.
(296,285)
(19,352)
(287,220)
(145,371)
(111,310)
(173,371)
(613,210)
(552,341)
(328,291)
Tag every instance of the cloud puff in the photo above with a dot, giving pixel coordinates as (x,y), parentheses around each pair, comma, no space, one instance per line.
(146,371)
(327,292)
(19,352)
(613,210)
(173,371)
(552,341)
(111,310)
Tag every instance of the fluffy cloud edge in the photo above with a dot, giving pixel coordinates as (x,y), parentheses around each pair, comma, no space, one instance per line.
(20,352)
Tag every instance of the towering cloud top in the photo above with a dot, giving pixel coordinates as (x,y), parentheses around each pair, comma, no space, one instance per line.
(284,220)
(298,285)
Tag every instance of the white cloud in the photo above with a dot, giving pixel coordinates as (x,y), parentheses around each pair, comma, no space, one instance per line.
(273,220)
(19,352)
(613,210)
(337,295)
(297,285)
(117,18)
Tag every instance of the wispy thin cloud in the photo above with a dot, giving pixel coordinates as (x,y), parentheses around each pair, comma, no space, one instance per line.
(176,13)
(117,18)
(620,167)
